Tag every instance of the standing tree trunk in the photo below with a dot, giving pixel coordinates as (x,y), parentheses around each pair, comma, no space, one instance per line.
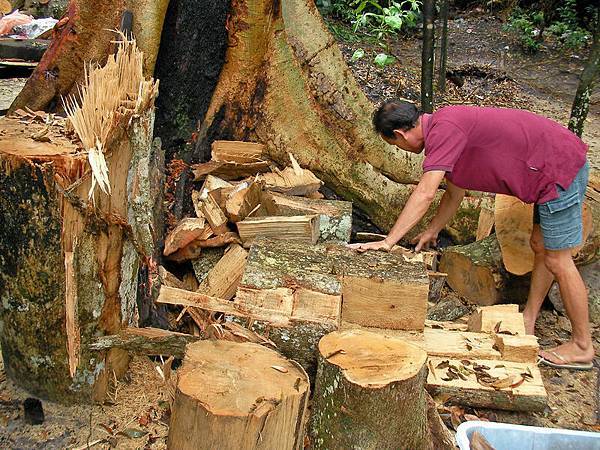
(581,103)
(443,46)
(427,56)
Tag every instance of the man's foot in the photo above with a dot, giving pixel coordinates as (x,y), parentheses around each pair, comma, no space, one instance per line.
(569,355)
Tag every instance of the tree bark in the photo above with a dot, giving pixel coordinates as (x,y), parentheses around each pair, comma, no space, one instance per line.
(581,102)
(443,46)
(231,396)
(427,56)
(369,393)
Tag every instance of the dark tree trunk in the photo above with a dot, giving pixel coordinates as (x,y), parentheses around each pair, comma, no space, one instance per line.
(581,103)
(427,56)
(443,45)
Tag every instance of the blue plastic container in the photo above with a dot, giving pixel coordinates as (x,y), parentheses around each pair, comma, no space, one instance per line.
(505,436)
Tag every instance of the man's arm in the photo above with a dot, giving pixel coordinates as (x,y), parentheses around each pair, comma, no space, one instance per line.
(448,205)
(417,205)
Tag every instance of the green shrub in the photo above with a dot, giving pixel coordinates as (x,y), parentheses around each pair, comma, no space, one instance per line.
(526,27)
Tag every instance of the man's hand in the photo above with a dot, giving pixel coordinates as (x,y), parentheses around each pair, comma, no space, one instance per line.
(379,245)
(425,240)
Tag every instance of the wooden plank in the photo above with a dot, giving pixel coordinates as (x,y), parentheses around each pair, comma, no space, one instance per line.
(186,231)
(499,318)
(223,279)
(228,170)
(335,217)
(173,296)
(237,151)
(530,395)
(214,215)
(517,348)
(384,303)
(290,228)
(243,201)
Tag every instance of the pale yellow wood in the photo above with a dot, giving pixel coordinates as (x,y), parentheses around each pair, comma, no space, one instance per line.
(528,396)
(229,170)
(291,181)
(514,224)
(384,303)
(186,231)
(290,228)
(223,279)
(485,222)
(71,321)
(429,258)
(517,348)
(243,201)
(237,151)
(174,296)
(234,396)
(214,215)
(499,318)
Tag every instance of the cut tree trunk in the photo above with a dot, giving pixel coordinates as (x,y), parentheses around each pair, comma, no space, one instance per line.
(476,272)
(85,34)
(369,393)
(69,265)
(231,396)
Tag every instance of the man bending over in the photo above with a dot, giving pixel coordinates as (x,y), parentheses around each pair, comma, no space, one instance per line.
(505,151)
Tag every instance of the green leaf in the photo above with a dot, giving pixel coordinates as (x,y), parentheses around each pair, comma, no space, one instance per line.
(393,22)
(358,54)
(383,60)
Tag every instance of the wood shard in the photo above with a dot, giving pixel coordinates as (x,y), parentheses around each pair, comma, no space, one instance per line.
(228,170)
(291,228)
(214,215)
(186,231)
(223,279)
(237,151)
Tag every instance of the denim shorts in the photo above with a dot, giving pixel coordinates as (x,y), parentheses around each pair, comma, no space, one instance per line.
(560,219)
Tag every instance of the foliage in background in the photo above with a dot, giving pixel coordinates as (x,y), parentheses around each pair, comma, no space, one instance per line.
(529,27)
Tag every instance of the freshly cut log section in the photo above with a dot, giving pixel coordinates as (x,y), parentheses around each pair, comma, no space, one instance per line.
(237,151)
(517,348)
(378,288)
(497,319)
(506,385)
(335,217)
(223,279)
(291,228)
(232,395)
(369,393)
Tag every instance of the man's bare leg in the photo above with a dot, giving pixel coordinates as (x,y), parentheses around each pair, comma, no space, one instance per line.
(541,280)
(574,296)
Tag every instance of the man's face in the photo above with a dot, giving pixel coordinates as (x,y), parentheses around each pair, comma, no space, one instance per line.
(410,141)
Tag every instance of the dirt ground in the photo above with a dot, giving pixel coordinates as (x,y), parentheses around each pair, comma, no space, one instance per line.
(495,73)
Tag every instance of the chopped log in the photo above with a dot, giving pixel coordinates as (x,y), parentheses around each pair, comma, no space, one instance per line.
(228,170)
(193,249)
(485,223)
(524,348)
(591,277)
(437,281)
(223,279)
(209,258)
(221,240)
(335,217)
(429,258)
(69,268)
(514,224)
(231,396)
(291,228)
(242,202)
(504,319)
(475,272)
(146,341)
(462,228)
(292,180)
(214,215)
(394,291)
(519,386)
(364,377)
(237,151)
(186,231)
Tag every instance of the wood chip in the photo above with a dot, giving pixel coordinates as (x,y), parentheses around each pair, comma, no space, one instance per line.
(280,369)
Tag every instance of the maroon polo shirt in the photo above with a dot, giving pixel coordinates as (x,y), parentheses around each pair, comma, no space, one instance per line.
(504,151)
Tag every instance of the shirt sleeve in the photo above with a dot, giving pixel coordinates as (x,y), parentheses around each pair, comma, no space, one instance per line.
(444,144)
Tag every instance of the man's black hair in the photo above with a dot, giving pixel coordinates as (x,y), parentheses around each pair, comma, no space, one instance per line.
(395,115)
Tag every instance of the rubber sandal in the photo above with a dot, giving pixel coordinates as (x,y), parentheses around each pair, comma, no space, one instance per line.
(566,364)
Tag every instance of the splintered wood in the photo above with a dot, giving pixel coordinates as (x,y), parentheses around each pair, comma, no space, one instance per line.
(237,151)
(291,228)
(223,279)
(292,180)
(234,395)
(186,231)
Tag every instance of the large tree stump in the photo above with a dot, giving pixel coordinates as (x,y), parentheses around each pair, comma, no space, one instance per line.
(476,272)
(234,396)
(369,393)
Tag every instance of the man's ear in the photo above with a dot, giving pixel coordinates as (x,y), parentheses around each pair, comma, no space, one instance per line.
(399,134)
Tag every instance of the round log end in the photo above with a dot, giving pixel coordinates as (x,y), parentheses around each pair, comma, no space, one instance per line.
(372,360)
